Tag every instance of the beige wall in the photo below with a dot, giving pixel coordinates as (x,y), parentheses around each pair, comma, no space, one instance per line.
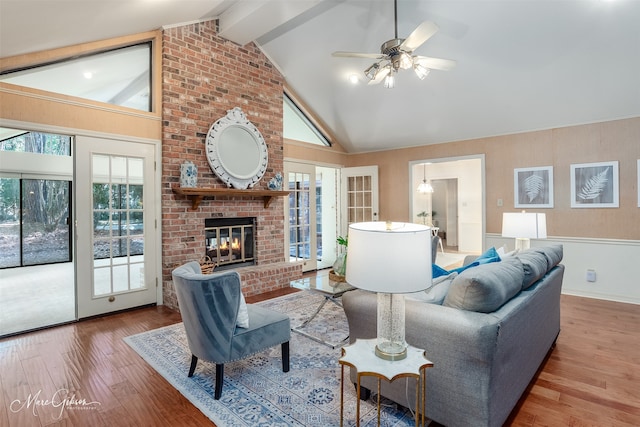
(302,151)
(608,141)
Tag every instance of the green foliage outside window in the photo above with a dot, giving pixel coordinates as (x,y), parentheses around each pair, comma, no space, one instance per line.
(38,142)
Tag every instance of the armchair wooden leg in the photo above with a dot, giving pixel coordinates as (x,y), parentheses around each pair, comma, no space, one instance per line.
(285,356)
(219,379)
(192,368)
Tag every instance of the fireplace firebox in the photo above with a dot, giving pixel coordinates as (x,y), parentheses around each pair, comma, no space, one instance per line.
(230,242)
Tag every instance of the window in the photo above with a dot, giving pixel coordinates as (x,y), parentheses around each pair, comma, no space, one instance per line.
(21,141)
(297,125)
(35,222)
(120,77)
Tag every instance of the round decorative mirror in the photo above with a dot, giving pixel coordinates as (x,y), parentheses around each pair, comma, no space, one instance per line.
(236,150)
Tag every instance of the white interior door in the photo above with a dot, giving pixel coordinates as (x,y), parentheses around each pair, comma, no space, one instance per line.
(116,225)
(359,195)
(452,212)
(301,233)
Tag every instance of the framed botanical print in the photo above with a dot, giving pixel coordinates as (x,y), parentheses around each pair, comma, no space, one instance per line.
(595,185)
(533,187)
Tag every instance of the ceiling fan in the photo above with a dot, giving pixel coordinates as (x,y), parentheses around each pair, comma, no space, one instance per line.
(397,53)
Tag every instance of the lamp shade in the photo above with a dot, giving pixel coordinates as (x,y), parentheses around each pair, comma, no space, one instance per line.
(524,225)
(390,257)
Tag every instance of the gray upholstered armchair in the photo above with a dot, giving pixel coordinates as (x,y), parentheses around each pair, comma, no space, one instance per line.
(209,305)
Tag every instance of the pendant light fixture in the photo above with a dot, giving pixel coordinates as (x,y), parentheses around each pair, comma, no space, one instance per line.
(424,186)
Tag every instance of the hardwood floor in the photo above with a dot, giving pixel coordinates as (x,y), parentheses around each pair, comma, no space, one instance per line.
(592,378)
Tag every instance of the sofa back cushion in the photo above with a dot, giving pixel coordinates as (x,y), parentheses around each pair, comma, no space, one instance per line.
(487,287)
(537,261)
(553,253)
(436,293)
(534,264)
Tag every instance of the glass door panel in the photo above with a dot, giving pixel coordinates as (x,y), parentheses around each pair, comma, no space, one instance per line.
(45,221)
(9,222)
(118,240)
(34,222)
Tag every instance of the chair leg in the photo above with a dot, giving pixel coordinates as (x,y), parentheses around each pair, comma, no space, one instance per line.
(365,393)
(192,368)
(219,379)
(285,356)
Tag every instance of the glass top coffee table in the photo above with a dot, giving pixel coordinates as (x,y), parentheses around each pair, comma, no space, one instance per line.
(331,291)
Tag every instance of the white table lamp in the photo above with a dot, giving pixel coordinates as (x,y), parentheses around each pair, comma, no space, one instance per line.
(391,259)
(524,226)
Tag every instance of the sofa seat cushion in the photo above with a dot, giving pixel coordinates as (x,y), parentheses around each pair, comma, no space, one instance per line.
(487,287)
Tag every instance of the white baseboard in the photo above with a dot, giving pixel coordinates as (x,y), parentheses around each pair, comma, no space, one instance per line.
(614,261)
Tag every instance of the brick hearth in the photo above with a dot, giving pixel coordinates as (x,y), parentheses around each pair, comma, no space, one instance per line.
(203,77)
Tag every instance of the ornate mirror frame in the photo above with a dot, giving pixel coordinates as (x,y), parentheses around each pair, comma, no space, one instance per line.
(236,150)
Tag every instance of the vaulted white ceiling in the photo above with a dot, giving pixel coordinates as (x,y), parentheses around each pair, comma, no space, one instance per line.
(521,64)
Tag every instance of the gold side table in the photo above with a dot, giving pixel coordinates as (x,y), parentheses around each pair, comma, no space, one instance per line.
(361,356)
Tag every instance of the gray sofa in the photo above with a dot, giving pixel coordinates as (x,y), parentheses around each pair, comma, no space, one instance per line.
(487,340)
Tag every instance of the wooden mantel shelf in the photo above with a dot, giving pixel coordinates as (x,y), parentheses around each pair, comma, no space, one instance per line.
(197,194)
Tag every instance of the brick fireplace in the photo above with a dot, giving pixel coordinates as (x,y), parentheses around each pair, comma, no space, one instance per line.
(203,77)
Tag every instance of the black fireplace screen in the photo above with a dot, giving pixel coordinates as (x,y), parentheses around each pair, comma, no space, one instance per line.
(230,242)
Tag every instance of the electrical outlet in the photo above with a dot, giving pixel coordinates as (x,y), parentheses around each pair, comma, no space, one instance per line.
(500,202)
(591,275)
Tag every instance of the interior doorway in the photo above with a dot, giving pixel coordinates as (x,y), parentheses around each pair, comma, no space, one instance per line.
(457,203)
(37,284)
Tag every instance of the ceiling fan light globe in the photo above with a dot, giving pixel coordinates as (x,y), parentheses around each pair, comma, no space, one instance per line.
(372,71)
(406,61)
(390,81)
(421,71)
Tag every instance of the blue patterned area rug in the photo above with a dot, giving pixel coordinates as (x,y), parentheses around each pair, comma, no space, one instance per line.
(256,392)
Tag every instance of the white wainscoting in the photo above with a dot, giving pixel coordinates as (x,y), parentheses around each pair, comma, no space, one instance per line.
(616,264)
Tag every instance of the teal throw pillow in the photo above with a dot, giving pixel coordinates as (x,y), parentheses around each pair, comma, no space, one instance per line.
(491,255)
(437,271)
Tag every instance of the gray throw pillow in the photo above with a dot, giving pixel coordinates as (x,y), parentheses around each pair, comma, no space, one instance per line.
(436,293)
(487,287)
(534,264)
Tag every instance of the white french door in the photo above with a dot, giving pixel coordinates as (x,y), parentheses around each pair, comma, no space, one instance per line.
(301,214)
(116,225)
(359,195)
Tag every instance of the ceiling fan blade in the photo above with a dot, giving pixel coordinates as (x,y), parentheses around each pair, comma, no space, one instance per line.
(420,35)
(380,76)
(358,55)
(435,63)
